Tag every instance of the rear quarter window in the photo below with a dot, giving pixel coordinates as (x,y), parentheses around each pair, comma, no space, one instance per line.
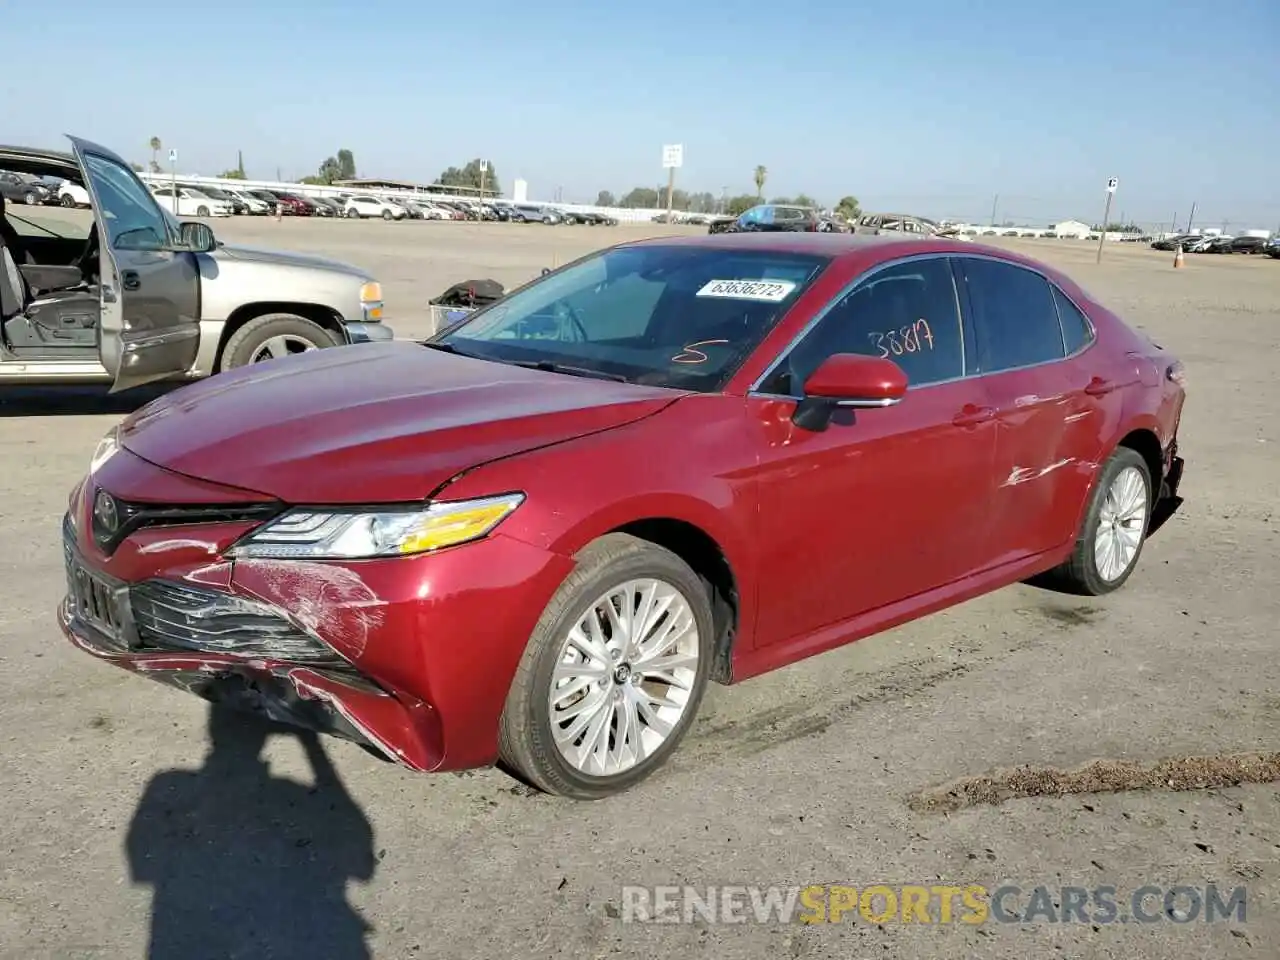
(1076,329)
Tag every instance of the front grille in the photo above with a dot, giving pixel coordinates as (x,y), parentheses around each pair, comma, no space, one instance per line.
(132,516)
(173,616)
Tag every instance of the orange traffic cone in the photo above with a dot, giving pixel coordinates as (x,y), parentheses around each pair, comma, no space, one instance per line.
(1178,259)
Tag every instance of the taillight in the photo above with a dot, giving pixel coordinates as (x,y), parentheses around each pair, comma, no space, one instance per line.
(1177,373)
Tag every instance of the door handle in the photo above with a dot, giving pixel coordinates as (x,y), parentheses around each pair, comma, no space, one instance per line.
(130,280)
(970,416)
(1098,387)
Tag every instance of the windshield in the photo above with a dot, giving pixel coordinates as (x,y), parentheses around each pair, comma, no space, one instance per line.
(662,315)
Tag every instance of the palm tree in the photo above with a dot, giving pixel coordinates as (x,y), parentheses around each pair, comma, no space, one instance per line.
(761,173)
(155,149)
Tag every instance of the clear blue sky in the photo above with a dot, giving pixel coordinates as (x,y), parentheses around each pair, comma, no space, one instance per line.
(930,106)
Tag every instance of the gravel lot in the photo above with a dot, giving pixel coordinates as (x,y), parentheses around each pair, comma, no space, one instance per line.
(806,776)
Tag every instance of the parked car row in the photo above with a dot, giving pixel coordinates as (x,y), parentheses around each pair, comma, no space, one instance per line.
(195,199)
(1218,243)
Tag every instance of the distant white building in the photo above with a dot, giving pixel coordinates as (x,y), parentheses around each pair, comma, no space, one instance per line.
(1072,228)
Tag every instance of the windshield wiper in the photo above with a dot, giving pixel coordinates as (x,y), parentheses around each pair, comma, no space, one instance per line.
(552,367)
(449,348)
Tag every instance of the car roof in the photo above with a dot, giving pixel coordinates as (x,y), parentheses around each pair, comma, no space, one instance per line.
(858,250)
(35,160)
(832,245)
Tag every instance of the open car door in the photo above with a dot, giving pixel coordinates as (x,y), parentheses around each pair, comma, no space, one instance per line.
(150,284)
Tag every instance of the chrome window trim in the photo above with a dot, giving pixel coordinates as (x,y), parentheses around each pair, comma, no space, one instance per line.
(755,391)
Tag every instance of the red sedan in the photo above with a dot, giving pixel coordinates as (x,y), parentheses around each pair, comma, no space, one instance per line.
(536,538)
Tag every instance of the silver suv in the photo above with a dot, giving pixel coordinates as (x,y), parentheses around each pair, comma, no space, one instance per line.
(143,297)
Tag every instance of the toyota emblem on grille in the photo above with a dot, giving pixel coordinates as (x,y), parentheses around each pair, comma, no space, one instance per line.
(105,512)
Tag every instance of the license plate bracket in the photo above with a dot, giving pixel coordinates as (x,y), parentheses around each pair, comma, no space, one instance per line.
(95,600)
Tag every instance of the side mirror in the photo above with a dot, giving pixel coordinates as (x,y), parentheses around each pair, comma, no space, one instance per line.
(848,380)
(197,237)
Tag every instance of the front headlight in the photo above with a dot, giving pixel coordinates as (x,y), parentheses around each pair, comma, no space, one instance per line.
(106,449)
(361,534)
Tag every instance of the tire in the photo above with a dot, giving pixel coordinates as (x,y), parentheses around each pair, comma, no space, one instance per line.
(353,213)
(1080,574)
(31,198)
(67,200)
(527,746)
(202,211)
(245,345)
(388,215)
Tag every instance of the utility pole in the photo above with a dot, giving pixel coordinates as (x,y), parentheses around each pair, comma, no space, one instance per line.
(994,203)
(1173,227)
(1106,214)
(672,157)
(1192,217)
(173,172)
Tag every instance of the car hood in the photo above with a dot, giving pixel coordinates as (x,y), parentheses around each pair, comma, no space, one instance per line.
(230,251)
(372,423)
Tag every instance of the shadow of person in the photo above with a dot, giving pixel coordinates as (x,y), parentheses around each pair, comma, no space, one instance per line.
(247,865)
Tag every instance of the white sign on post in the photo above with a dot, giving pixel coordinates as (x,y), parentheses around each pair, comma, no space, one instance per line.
(484,166)
(1112,184)
(173,156)
(672,155)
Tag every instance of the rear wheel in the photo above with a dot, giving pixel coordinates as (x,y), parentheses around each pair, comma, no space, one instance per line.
(613,674)
(1114,529)
(272,336)
(67,200)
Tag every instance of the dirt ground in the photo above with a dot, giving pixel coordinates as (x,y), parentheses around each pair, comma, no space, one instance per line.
(950,751)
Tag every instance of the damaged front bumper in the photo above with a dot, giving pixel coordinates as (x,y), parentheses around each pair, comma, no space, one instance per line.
(327,699)
(411,656)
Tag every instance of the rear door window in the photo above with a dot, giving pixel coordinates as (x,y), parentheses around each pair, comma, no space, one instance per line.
(1014,316)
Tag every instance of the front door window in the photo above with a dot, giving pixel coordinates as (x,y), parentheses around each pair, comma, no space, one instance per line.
(131,215)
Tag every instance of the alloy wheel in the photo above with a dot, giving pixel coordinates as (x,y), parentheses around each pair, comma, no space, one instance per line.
(624,676)
(1122,522)
(284,345)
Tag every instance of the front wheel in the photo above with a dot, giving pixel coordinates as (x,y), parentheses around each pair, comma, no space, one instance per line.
(31,199)
(613,674)
(67,200)
(353,213)
(272,336)
(388,215)
(202,211)
(1114,529)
